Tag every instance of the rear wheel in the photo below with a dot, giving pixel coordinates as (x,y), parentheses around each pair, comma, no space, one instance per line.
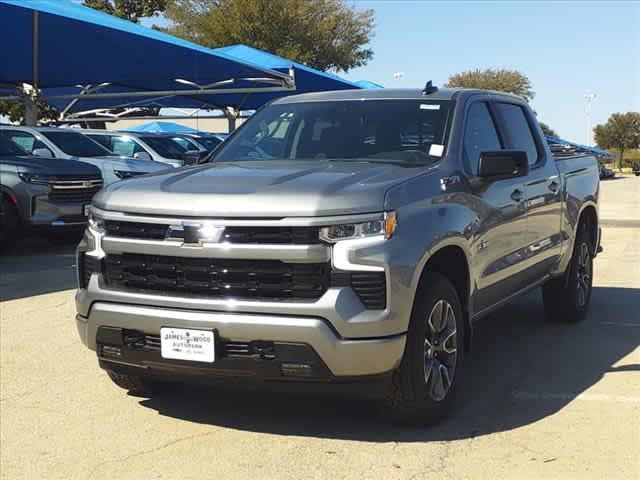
(566,298)
(423,389)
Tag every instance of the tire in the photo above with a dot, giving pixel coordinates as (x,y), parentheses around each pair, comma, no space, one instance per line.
(136,384)
(420,393)
(11,225)
(566,298)
(70,237)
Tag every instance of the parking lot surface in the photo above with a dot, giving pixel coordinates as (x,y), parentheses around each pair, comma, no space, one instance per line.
(540,400)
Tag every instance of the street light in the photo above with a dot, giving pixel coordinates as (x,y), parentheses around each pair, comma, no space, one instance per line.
(589,98)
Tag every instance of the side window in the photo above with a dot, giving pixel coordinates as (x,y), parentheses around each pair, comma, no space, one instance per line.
(25,140)
(480,135)
(518,131)
(124,146)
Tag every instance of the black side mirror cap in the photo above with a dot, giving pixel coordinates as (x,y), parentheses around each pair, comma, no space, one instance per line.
(501,164)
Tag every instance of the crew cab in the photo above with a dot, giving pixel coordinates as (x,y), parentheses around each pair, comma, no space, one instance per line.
(336,239)
(70,144)
(41,194)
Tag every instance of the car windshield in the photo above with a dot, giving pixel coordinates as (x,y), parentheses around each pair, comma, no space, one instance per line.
(407,132)
(209,142)
(76,144)
(9,148)
(166,146)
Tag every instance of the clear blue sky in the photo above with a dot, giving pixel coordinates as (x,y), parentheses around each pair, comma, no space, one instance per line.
(566,49)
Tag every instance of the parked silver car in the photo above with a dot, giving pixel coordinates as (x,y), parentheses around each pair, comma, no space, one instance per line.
(69,144)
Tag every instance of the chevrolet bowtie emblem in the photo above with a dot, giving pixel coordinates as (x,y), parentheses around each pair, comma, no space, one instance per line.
(195,233)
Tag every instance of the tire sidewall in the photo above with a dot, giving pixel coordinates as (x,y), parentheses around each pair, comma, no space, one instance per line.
(433,287)
(582,239)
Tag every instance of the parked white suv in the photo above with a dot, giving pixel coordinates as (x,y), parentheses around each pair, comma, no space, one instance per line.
(71,144)
(147,146)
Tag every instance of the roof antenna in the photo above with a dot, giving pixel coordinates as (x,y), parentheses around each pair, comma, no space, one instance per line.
(429,88)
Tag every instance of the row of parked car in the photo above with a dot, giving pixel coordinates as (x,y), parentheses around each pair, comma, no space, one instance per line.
(48,175)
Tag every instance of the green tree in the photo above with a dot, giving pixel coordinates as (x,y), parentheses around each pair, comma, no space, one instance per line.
(622,132)
(14,109)
(324,34)
(547,130)
(498,79)
(132,10)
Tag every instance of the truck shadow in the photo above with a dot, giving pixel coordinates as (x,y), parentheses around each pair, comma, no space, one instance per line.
(35,267)
(521,370)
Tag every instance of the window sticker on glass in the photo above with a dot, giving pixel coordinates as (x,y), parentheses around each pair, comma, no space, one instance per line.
(429,106)
(436,150)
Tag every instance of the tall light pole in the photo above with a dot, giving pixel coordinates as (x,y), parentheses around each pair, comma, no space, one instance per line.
(589,98)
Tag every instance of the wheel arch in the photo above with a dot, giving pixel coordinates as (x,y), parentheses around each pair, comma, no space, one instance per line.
(451,259)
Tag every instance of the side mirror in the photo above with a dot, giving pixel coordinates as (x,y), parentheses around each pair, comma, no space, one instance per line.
(192,157)
(503,164)
(142,156)
(42,152)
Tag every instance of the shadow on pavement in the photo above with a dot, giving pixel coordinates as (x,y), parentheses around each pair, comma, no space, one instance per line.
(521,370)
(34,267)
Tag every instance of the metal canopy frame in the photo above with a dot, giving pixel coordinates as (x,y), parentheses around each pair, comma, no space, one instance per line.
(284,83)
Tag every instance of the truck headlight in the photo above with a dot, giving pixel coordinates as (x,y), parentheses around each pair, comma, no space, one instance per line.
(95,223)
(384,226)
(35,178)
(124,174)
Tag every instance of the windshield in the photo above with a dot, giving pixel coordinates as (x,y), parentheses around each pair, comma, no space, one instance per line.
(8,148)
(76,144)
(209,142)
(166,147)
(408,132)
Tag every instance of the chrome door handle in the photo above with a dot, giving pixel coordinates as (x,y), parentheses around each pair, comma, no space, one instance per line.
(517,195)
(554,186)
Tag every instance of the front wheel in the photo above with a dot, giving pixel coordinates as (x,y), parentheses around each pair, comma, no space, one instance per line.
(566,298)
(423,388)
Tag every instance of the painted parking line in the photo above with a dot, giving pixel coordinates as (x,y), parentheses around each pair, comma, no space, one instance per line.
(589,397)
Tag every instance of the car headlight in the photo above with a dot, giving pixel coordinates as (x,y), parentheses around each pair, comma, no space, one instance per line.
(35,178)
(384,226)
(124,174)
(95,223)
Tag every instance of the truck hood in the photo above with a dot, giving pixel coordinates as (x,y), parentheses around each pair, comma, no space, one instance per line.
(259,189)
(125,163)
(49,166)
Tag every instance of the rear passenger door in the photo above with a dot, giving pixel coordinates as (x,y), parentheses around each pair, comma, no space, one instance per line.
(542,190)
(500,227)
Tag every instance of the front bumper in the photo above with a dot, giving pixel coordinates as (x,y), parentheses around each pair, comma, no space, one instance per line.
(335,356)
(45,213)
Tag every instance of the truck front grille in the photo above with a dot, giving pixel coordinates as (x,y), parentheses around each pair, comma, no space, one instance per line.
(245,235)
(74,191)
(210,277)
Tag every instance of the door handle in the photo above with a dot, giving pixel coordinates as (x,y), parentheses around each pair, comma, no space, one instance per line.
(517,195)
(554,186)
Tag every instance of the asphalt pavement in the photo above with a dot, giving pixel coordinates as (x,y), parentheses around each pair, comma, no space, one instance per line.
(540,399)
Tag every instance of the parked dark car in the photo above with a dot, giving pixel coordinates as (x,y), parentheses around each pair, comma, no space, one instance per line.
(636,169)
(44,194)
(606,172)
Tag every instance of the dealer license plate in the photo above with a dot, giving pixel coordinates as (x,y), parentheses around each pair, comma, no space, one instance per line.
(188,344)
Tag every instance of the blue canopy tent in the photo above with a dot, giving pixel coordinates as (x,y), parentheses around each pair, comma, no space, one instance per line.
(162,127)
(82,59)
(307,79)
(598,152)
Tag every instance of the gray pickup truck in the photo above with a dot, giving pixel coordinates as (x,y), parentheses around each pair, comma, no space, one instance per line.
(343,238)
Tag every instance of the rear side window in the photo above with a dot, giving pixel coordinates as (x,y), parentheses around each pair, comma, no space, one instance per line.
(518,131)
(480,135)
